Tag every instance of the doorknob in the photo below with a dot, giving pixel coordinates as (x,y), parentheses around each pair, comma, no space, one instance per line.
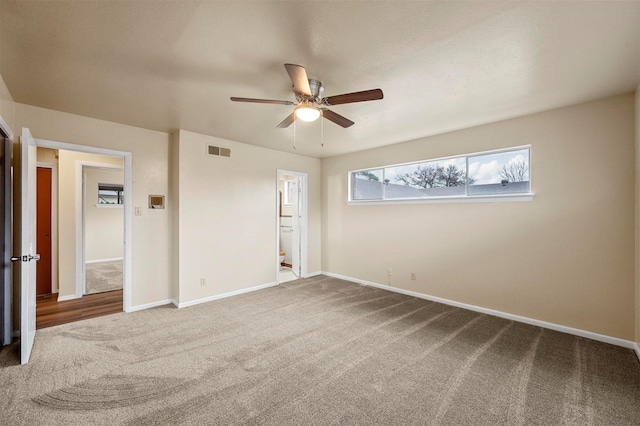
(25,258)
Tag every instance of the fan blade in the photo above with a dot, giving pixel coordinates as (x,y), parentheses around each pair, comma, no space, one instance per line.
(261,101)
(337,118)
(298,76)
(287,121)
(347,98)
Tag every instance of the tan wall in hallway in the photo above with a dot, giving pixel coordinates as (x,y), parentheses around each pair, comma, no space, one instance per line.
(567,257)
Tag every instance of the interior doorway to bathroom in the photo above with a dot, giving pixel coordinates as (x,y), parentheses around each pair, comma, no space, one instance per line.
(292,226)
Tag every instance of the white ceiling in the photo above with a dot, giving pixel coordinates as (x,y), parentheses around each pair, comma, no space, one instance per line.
(442,65)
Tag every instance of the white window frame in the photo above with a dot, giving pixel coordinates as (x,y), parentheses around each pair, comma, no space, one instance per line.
(493,198)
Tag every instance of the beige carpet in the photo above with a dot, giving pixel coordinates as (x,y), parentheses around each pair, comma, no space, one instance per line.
(313,352)
(103,276)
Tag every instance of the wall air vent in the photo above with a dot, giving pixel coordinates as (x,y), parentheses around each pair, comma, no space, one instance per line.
(219,151)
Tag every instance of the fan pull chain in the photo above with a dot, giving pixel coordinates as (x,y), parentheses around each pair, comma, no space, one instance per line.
(294,135)
(321,129)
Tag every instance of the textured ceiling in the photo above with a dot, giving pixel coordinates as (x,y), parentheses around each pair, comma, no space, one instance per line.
(442,65)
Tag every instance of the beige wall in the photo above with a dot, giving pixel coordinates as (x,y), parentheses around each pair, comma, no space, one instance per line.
(7,106)
(151,250)
(227,215)
(567,257)
(46,155)
(104,225)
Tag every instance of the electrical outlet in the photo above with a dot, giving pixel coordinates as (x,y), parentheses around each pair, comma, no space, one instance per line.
(389,272)
(413,275)
(203,282)
(138,211)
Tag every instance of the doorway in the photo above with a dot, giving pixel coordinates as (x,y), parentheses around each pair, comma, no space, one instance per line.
(77,160)
(291,225)
(102,228)
(74,178)
(46,227)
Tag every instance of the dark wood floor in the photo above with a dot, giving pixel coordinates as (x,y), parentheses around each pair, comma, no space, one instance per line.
(50,312)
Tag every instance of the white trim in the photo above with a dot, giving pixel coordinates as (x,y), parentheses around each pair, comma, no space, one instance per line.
(636,348)
(313,274)
(68,297)
(498,198)
(304,224)
(152,305)
(115,259)
(81,165)
(5,128)
(531,321)
(128,231)
(109,206)
(224,295)
(54,222)
(128,202)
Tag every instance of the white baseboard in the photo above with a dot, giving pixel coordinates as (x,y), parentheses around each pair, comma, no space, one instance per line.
(551,326)
(151,305)
(313,274)
(224,295)
(68,297)
(115,259)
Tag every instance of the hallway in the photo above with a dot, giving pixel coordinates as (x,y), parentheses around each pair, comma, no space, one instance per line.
(50,312)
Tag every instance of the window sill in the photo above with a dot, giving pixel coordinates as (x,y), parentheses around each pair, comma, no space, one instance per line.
(109,206)
(448,200)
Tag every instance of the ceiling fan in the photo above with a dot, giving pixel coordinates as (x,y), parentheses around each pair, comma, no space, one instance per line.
(310,104)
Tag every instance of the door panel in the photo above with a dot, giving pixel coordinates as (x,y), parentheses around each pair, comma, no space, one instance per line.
(43,233)
(6,242)
(27,245)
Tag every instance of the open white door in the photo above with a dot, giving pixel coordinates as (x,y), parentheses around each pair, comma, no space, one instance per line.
(295,224)
(28,254)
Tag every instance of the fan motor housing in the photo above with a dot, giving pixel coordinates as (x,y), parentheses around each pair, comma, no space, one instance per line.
(317,89)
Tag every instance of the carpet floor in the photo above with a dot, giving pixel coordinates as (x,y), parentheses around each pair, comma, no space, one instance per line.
(312,352)
(103,276)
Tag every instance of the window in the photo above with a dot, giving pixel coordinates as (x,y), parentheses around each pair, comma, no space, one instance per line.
(499,173)
(110,193)
(474,175)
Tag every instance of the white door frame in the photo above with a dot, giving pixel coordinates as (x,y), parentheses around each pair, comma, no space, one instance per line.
(54,222)
(303,221)
(128,211)
(81,262)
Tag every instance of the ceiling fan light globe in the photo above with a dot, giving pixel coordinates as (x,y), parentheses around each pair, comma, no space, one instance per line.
(307,113)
